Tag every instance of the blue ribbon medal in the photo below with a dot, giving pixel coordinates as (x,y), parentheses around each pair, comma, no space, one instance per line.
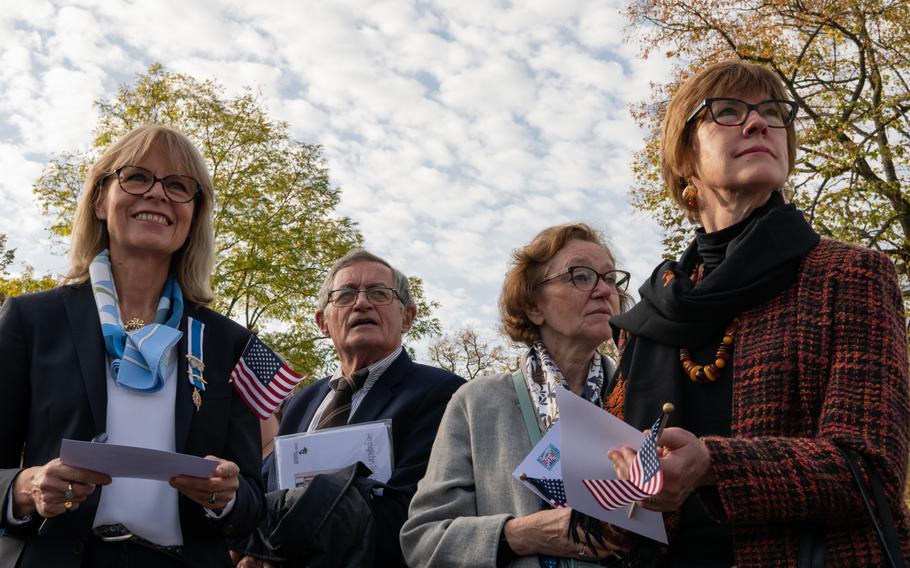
(195,366)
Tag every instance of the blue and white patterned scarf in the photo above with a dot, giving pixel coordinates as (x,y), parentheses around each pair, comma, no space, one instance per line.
(135,354)
(543,377)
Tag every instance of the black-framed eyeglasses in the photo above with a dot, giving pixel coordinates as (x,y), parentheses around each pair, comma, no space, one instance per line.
(585,278)
(377,295)
(725,111)
(137,180)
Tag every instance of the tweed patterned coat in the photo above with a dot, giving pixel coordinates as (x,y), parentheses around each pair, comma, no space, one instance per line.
(824,361)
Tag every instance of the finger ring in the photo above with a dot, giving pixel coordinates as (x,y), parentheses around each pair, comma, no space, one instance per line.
(212,498)
(581,551)
(67,505)
(68,494)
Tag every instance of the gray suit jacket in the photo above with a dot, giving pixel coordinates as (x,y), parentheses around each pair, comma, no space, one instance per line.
(468,493)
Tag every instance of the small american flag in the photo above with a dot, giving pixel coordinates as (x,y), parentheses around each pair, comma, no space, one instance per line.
(645,478)
(552,489)
(261,379)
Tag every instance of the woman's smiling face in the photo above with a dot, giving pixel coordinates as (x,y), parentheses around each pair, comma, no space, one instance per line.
(148,224)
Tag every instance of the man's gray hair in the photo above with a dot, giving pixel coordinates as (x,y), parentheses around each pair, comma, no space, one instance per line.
(357,255)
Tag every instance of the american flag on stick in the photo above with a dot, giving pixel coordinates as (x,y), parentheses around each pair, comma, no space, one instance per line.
(261,379)
(552,489)
(645,478)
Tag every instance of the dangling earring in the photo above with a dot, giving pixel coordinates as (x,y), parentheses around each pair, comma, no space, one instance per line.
(690,194)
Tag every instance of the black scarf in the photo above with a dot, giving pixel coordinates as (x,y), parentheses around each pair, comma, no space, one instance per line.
(760,262)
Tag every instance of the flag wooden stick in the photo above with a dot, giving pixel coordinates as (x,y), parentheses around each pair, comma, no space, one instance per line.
(667,411)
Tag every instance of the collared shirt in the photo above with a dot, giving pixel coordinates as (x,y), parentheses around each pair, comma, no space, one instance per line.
(375,371)
(148,508)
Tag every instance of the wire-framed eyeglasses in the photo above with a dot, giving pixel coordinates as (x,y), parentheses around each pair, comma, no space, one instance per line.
(585,278)
(778,113)
(377,295)
(137,180)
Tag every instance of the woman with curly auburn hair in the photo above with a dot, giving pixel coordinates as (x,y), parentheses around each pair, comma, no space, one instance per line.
(126,352)
(784,354)
(557,299)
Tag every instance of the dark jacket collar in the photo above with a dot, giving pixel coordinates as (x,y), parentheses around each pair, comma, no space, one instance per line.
(383,391)
(85,329)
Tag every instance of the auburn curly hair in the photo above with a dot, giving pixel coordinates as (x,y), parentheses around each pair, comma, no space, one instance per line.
(529,264)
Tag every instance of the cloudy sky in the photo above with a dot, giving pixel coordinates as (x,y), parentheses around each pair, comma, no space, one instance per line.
(456,129)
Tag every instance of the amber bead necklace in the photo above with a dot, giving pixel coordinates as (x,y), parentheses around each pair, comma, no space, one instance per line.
(712,371)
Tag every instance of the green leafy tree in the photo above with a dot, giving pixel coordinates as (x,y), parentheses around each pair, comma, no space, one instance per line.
(7,256)
(847,63)
(276,233)
(25,282)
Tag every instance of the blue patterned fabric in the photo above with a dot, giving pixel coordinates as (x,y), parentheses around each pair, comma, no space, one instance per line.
(138,357)
(543,376)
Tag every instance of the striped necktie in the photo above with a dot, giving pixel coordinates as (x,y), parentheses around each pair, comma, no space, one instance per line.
(339,409)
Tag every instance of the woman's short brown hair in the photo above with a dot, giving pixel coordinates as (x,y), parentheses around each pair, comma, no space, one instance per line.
(192,265)
(726,78)
(529,265)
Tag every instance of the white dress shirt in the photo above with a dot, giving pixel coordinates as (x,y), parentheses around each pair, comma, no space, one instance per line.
(148,508)
(375,371)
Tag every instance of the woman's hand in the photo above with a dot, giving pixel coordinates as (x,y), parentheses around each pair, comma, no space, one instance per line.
(547,532)
(684,461)
(215,492)
(47,489)
(241,561)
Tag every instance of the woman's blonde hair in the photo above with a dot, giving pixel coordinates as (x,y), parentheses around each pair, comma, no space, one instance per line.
(192,265)
(529,265)
(723,79)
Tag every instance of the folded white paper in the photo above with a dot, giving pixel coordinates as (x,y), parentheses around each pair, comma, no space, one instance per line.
(543,463)
(588,433)
(129,461)
(300,457)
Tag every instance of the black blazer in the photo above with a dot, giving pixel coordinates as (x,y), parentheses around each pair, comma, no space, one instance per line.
(53,386)
(414,397)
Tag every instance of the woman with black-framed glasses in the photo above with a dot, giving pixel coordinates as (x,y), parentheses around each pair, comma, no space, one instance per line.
(783,353)
(557,299)
(128,353)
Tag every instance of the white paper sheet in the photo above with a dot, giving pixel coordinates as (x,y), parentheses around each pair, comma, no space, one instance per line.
(543,462)
(129,461)
(588,433)
(300,457)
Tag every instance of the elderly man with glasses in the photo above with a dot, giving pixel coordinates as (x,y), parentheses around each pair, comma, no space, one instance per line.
(365,306)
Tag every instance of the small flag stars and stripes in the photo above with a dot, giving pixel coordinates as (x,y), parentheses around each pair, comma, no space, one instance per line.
(645,478)
(552,489)
(261,379)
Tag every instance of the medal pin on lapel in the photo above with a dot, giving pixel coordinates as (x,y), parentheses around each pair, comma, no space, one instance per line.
(195,368)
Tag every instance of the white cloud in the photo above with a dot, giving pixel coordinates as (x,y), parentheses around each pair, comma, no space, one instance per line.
(20,217)
(456,129)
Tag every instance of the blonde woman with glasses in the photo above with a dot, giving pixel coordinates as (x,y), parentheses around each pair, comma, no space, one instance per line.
(128,353)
